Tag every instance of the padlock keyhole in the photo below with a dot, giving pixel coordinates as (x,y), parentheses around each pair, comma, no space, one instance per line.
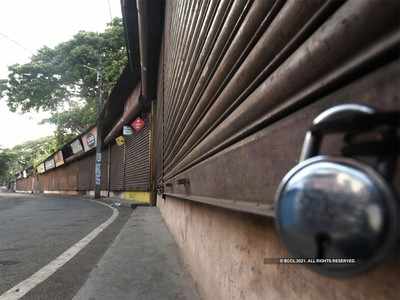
(323,241)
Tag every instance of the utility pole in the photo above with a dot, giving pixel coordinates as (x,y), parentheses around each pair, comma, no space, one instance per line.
(99,125)
(99,138)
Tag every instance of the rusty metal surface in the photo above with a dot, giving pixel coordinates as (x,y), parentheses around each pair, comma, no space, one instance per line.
(247,23)
(156,146)
(326,63)
(250,171)
(117,167)
(203,23)
(219,24)
(105,169)
(84,173)
(24,184)
(137,160)
(283,30)
(256,66)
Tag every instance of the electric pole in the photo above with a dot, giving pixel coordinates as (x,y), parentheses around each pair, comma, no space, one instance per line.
(99,138)
(99,126)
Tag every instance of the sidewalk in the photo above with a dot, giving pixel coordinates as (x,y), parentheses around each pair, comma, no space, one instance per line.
(142,263)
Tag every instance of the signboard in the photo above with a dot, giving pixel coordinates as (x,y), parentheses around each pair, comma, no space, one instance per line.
(58,158)
(127,130)
(40,168)
(120,140)
(89,139)
(138,124)
(49,164)
(76,146)
(98,173)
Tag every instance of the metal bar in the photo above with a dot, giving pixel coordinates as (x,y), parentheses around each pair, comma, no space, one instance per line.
(262,210)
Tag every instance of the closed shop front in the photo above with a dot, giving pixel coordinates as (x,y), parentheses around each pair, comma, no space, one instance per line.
(240,83)
(86,173)
(243,80)
(137,169)
(117,169)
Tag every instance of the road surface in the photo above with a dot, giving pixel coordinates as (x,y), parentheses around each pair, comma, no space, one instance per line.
(36,229)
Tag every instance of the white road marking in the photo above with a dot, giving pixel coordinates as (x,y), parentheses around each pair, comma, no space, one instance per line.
(44,273)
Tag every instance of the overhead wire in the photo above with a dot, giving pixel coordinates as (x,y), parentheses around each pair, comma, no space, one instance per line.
(5,36)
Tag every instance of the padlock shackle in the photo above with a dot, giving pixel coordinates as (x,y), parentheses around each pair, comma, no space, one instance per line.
(313,138)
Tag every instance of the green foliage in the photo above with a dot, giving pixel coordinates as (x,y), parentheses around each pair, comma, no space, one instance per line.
(56,79)
(7,159)
(24,155)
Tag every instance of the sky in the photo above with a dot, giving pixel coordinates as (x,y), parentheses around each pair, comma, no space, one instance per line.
(25,27)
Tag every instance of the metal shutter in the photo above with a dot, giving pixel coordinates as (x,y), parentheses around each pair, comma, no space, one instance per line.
(137,160)
(235,70)
(158,110)
(104,169)
(117,167)
(84,174)
(92,176)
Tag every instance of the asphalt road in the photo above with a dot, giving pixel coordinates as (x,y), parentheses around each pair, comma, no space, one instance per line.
(35,229)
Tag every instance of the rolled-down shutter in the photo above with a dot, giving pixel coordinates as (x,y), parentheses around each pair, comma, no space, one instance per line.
(242,81)
(104,169)
(71,173)
(84,173)
(137,160)
(92,176)
(117,167)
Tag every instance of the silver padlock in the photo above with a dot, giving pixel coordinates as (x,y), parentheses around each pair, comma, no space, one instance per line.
(338,213)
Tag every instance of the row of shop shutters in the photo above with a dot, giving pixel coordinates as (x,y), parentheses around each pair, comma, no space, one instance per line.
(124,168)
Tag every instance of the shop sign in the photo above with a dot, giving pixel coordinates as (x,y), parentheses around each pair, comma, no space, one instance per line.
(76,146)
(40,168)
(89,139)
(127,130)
(49,164)
(58,158)
(138,124)
(120,140)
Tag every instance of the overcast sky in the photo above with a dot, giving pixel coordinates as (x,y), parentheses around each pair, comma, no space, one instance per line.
(26,26)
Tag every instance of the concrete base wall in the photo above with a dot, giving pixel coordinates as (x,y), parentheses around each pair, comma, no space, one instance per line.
(131,197)
(226,254)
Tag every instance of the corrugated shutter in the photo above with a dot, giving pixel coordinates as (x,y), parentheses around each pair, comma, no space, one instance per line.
(104,169)
(117,168)
(64,178)
(159,123)
(24,184)
(235,69)
(92,163)
(137,160)
(84,173)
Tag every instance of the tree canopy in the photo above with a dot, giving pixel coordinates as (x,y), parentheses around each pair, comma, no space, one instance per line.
(57,79)
(25,155)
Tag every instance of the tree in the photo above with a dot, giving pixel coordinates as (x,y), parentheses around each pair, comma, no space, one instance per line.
(27,154)
(56,79)
(6,160)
